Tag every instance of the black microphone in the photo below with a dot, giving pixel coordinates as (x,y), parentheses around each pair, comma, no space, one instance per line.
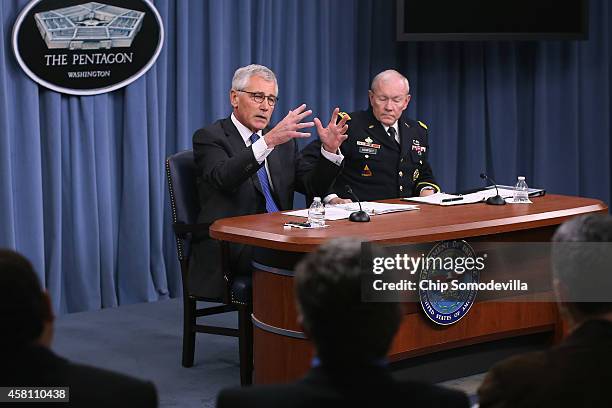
(497,200)
(357,216)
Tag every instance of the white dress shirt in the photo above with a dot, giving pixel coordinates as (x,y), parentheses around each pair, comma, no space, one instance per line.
(261,149)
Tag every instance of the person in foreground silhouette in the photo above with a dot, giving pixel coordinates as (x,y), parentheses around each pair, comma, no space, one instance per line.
(351,339)
(26,359)
(576,372)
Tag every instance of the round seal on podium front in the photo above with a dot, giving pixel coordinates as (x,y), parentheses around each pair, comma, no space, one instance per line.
(441,281)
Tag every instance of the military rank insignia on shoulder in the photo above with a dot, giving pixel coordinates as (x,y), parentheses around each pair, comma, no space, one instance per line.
(343,115)
(424,126)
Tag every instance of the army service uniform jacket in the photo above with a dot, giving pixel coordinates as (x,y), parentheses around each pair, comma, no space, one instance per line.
(375,166)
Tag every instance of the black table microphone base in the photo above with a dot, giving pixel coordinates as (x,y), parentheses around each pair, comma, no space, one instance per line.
(496,200)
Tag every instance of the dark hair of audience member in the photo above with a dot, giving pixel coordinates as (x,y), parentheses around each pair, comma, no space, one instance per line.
(345,330)
(23,310)
(582,264)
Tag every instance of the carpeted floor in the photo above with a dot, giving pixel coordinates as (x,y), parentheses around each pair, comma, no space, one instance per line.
(144,340)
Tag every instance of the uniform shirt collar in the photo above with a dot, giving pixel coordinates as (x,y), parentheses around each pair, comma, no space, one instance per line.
(395,126)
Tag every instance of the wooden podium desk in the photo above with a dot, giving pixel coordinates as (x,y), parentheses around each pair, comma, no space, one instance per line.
(281,352)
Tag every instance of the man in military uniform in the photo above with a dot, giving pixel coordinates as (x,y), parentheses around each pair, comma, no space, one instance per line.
(385,155)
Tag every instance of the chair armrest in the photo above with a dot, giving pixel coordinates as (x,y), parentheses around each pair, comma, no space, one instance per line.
(181,230)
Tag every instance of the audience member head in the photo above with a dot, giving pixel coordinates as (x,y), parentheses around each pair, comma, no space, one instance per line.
(389,96)
(345,330)
(582,267)
(25,310)
(253,96)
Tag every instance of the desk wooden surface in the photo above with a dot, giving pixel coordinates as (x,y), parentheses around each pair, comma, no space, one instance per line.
(282,354)
(429,223)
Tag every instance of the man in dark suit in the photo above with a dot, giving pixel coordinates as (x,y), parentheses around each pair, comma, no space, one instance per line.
(248,168)
(27,361)
(576,372)
(385,155)
(351,338)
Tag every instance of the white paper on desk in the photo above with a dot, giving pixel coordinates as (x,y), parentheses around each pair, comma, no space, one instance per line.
(510,200)
(438,198)
(331,213)
(432,198)
(342,211)
(506,193)
(374,208)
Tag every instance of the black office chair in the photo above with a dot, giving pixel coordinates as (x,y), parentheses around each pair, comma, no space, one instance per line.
(181,172)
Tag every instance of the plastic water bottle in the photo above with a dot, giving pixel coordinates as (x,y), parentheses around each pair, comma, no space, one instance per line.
(521,193)
(316,213)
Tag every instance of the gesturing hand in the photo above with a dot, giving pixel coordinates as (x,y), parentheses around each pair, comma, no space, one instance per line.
(289,127)
(334,134)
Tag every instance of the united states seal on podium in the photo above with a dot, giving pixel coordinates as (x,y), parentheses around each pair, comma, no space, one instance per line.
(441,279)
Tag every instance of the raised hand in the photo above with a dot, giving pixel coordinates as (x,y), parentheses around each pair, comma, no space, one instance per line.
(289,127)
(334,134)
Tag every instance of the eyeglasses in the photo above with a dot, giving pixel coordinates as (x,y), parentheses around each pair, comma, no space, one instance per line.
(259,97)
(384,99)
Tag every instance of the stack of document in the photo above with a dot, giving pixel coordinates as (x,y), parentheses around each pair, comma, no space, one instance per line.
(342,211)
(453,199)
(457,199)
(506,191)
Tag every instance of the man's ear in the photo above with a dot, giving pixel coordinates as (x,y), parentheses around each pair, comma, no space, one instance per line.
(408,97)
(48,315)
(46,337)
(370,96)
(233,98)
(300,317)
(566,310)
(300,320)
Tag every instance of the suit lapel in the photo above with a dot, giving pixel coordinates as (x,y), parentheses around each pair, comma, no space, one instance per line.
(237,144)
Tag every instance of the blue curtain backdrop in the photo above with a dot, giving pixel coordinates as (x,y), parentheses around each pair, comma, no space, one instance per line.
(82,186)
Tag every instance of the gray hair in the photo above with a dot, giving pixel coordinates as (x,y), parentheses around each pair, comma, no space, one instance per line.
(328,285)
(387,75)
(582,263)
(243,74)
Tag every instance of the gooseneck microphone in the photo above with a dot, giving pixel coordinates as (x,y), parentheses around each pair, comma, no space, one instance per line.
(496,200)
(357,216)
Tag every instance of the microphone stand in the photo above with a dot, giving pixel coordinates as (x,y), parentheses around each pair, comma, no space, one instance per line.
(357,216)
(496,200)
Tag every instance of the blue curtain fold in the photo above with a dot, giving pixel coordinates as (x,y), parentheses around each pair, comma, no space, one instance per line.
(82,184)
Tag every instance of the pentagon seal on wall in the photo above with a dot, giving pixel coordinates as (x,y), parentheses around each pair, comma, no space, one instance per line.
(86,48)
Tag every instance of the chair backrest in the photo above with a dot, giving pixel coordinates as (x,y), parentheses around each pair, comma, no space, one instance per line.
(182,171)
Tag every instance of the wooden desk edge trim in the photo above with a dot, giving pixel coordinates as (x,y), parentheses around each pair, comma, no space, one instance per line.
(401,355)
(308,244)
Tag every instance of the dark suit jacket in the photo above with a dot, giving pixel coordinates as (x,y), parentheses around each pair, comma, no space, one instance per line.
(366,387)
(89,386)
(375,166)
(576,373)
(228,186)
